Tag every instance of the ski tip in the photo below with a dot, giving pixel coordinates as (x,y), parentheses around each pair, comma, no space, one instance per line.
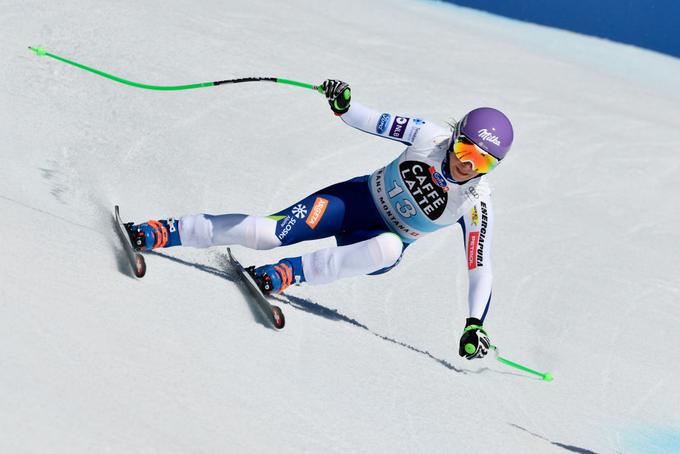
(279,319)
(140,266)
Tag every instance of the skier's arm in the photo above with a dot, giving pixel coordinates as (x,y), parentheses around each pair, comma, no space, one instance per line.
(477,226)
(395,127)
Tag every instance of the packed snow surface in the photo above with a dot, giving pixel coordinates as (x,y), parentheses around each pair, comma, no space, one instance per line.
(585,252)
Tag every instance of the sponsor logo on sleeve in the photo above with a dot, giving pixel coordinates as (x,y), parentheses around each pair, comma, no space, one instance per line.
(473,238)
(383,123)
(399,127)
(317,212)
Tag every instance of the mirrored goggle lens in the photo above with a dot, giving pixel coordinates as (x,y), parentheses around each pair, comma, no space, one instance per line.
(467,151)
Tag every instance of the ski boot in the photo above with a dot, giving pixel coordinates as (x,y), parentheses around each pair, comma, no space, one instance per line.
(153,234)
(277,277)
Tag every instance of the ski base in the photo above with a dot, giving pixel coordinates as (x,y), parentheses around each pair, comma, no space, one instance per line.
(273,314)
(136,259)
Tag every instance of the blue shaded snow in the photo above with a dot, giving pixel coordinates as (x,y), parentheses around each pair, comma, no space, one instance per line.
(664,440)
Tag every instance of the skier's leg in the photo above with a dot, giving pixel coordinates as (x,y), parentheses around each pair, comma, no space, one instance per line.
(344,210)
(205,230)
(375,255)
(356,236)
(365,245)
(316,216)
(319,215)
(372,256)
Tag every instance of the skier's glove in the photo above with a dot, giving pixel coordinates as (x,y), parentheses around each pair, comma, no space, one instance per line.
(474,343)
(338,95)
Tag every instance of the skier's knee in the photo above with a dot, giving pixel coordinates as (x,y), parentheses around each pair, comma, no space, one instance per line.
(391,247)
(253,232)
(195,231)
(264,233)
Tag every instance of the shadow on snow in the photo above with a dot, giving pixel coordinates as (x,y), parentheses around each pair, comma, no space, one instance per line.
(554,443)
(226,272)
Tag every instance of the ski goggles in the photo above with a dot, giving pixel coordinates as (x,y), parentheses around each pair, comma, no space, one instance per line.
(466,151)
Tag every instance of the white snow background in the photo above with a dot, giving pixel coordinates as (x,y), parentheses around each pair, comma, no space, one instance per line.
(585,250)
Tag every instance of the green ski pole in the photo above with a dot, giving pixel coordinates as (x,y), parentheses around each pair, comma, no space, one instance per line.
(43,53)
(546,376)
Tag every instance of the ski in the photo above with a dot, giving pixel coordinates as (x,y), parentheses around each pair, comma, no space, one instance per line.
(136,259)
(273,313)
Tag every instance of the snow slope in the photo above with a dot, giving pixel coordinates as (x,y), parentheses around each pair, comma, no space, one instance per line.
(585,254)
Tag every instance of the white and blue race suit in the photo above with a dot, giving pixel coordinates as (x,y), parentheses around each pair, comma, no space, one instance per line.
(416,195)
(373,218)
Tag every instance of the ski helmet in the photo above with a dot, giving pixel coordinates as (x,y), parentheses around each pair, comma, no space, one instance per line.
(489,129)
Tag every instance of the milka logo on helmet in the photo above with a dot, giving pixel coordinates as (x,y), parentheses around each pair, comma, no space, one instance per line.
(383,122)
(486,135)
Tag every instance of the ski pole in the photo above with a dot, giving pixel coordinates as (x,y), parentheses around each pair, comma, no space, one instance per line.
(546,376)
(43,53)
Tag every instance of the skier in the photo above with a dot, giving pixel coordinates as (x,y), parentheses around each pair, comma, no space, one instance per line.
(438,180)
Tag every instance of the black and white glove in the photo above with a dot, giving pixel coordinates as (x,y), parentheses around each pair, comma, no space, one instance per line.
(474,343)
(338,95)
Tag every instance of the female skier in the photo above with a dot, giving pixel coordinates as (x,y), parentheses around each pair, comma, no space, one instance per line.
(436,181)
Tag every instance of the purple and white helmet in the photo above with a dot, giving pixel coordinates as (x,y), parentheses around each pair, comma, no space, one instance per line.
(489,129)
